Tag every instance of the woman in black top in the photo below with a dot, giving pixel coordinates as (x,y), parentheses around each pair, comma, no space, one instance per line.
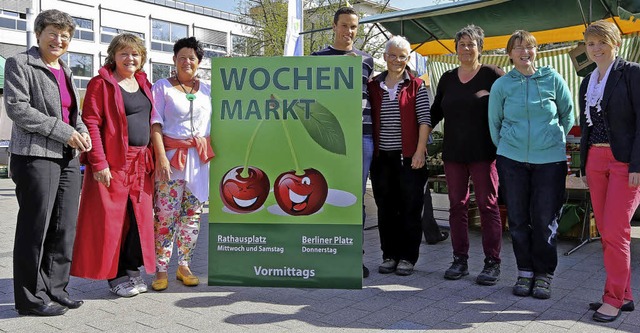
(115,223)
(462,99)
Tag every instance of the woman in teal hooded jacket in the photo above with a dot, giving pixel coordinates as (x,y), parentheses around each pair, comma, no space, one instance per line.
(530,113)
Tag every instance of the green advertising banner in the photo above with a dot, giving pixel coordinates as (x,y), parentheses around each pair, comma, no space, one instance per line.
(285,208)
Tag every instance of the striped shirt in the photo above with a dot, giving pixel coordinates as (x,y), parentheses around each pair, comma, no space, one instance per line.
(390,127)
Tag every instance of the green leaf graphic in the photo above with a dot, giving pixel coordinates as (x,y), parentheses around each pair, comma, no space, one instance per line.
(323,127)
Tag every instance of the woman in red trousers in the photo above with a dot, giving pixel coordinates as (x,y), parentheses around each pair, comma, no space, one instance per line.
(610,155)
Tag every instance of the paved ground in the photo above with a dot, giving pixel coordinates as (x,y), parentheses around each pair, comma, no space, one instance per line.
(423,301)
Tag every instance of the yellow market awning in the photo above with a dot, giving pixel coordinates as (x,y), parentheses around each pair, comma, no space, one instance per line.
(543,37)
(431,29)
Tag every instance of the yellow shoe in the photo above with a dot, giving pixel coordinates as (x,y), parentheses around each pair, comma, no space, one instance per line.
(160,284)
(188,280)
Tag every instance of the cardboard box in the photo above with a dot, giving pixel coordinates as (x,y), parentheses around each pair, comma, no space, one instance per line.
(474,217)
(581,62)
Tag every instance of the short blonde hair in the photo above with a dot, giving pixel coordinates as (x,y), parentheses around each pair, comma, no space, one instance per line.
(604,30)
(524,37)
(122,41)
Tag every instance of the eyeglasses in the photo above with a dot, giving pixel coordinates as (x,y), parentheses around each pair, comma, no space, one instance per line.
(522,48)
(63,37)
(395,57)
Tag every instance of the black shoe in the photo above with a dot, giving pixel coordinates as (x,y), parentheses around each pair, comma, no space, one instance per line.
(388,266)
(541,288)
(443,236)
(365,272)
(458,269)
(626,307)
(523,286)
(46,310)
(490,274)
(70,303)
(603,318)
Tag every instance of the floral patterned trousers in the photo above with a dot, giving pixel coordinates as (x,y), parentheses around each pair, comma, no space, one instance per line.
(177,215)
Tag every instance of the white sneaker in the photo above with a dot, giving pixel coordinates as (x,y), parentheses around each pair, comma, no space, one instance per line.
(125,289)
(138,283)
(404,268)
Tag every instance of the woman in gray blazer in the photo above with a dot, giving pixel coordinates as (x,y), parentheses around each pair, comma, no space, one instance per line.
(47,135)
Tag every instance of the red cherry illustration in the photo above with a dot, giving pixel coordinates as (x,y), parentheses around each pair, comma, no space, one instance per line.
(301,195)
(244,194)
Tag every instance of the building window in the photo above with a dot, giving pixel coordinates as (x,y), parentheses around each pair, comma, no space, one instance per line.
(12,20)
(204,74)
(164,34)
(81,66)
(239,45)
(161,71)
(213,50)
(84,29)
(212,40)
(107,34)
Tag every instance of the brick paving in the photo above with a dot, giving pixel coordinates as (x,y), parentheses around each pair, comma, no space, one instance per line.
(422,302)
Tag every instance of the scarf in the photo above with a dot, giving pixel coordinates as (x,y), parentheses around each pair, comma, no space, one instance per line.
(595,92)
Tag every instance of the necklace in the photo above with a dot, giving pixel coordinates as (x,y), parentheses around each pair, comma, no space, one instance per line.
(190,95)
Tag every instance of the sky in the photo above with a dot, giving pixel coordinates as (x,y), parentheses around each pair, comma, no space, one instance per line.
(231,5)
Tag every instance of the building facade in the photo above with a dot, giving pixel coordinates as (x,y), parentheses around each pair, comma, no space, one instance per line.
(158,22)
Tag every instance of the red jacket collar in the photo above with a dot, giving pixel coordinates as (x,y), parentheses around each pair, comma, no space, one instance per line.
(107,73)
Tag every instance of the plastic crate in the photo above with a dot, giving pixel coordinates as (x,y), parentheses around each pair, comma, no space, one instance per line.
(435,169)
(575,159)
(575,232)
(434,147)
(440,187)
(4,155)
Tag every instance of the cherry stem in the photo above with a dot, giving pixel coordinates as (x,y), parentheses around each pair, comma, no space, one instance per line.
(293,153)
(245,170)
(286,133)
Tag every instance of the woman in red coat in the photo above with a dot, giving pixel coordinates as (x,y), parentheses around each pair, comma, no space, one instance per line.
(115,222)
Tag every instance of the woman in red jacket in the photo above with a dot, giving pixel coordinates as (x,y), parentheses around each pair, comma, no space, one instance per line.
(115,223)
(400,113)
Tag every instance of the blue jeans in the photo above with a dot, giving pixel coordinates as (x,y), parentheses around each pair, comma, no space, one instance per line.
(367,156)
(534,194)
